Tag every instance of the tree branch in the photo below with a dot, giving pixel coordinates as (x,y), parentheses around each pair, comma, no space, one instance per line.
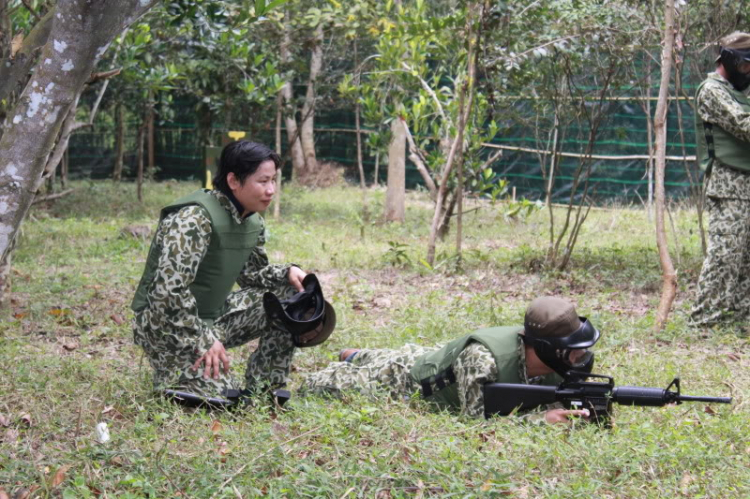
(415,155)
(430,91)
(30,9)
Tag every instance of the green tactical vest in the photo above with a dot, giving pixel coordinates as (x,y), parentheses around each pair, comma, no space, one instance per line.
(434,374)
(230,247)
(718,143)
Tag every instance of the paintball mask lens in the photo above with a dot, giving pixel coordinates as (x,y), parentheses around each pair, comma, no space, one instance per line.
(578,359)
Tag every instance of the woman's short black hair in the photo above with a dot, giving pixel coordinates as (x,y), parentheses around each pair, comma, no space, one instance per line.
(242,158)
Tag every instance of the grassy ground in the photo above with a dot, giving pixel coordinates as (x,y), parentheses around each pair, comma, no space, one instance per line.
(69,363)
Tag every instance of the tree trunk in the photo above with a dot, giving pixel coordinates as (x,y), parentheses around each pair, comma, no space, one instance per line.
(5,266)
(81,32)
(139,175)
(396,191)
(279,179)
(308,109)
(465,101)
(150,135)
(119,141)
(14,72)
(290,109)
(64,168)
(669,276)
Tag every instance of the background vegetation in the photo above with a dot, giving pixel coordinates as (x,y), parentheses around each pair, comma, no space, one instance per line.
(69,362)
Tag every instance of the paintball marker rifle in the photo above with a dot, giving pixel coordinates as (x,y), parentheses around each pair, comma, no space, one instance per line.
(577,393)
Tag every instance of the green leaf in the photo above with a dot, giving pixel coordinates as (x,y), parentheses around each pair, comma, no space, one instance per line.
(274,4)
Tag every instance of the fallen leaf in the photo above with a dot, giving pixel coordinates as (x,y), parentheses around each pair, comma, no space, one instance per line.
(107,409)
(59,311)
(70,346)
(117,319)
(687,479)
(709,410)
(117,461)
(216,427)
(25,419)
(22,493)
(20,315)
(486,486)
(11,436)
(15,44)
(4,421)
(382,302)
(733,356)
(59,476)
(223,449)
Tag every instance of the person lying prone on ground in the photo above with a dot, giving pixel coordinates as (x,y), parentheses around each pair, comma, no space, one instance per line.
(553,341)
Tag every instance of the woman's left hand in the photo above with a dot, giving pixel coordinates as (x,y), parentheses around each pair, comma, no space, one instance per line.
(296,275)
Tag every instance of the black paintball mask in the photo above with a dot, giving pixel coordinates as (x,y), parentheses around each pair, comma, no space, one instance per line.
(306,315)
(567,353)
(732,59)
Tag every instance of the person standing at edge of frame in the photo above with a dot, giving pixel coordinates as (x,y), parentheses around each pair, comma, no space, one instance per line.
(723,138)
(186,316)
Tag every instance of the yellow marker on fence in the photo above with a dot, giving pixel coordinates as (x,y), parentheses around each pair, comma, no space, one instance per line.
(237,135)
(209,183)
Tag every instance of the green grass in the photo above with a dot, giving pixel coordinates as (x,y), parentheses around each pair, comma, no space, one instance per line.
(68,362)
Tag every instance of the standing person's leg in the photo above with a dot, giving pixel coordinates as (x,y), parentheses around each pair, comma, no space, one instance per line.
(721,282)
(742,298)
(245,320)
(371,372)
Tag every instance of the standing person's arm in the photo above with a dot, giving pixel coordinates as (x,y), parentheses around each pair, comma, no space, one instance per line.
(716,105)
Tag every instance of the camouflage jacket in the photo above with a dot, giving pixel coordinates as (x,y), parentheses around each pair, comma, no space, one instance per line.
(474,367)
(716,105)
(172,312)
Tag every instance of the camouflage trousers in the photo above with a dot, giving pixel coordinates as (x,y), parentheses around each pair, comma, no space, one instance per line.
(724,283)
(244,320)
(371,372)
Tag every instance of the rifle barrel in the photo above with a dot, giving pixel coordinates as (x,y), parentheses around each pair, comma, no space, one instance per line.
(718,400)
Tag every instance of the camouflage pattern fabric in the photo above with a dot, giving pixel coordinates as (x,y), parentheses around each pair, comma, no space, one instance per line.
(375,372)
(723,285)
(172,335)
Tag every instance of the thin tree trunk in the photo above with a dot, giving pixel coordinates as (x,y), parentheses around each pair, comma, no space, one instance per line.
(307,135)
(465,100)
(279,177)
(295,145)
(139,175)
(150,134)
(376,179)
(64,168)
(119,141)
(669,276)
(396,191)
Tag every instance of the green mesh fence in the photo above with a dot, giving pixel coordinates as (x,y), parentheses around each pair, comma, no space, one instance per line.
(623,132)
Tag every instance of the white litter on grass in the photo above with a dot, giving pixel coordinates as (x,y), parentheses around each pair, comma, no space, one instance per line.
(102,433)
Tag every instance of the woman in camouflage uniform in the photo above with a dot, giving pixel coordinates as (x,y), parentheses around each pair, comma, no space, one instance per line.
(186,315)
(723,139)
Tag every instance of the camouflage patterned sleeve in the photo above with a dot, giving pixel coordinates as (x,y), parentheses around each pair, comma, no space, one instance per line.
(184,236)
(474,367)
(257,272)
(716,105)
